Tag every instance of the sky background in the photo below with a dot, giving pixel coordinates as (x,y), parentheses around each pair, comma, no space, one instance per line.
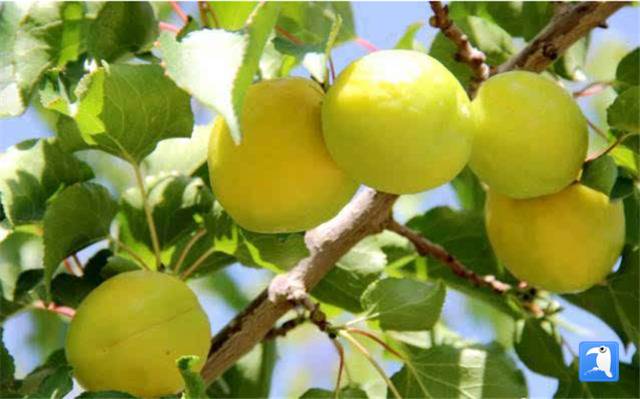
(307,358)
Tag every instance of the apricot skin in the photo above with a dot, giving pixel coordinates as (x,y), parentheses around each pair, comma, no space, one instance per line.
(280,178)
(127,334)
(397,121)
(564,242)
(530,137)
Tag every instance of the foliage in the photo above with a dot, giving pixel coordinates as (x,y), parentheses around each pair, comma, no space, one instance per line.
(111,83)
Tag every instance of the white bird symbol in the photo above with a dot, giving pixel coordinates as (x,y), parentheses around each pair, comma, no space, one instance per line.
(603,359)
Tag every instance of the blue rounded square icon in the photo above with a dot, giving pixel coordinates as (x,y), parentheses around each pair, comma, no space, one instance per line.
(599,361)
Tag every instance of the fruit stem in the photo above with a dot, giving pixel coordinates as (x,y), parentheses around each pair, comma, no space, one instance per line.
(197,263)
(356,344)
(147,211)
(199,234)
(125,248)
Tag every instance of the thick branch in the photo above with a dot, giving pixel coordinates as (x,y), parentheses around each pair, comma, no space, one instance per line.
(433,250)
(565,28)
(471,56)
(327,243)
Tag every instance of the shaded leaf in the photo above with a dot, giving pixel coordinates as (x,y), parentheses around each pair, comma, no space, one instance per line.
(404,304)
(469,190)
(217,66)
(33,171)
(627,73)
(105,395)
(600,174)
(77,217)
(250,377)
(617,301)
(449,371)
(624,113)
(7,365)
(120,28)
(350,392)
(538,349)
(626,387)
(28,280)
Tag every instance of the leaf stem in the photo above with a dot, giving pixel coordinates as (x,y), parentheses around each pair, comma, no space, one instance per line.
(356,344)
(147,211)
(197,263)
(130,251)
(199,234)
(616,143)
(399,355)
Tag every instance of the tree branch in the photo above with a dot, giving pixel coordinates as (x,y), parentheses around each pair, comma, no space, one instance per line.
(327,243)
(368,212)
(433,250)
(564,29)
(467,54)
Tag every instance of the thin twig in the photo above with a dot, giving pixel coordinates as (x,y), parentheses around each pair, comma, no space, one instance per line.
(474,58)
(591,89)
(428,248)
(52,307)
(616,143)
(198,262)
(134,255)
(178,10)
(340,351)
(183,255)
(596,129)
(286,327)
(367,45)
(168,27)
(356,344)
(147,211)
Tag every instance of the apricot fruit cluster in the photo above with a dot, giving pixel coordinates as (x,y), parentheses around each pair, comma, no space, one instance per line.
(400,122)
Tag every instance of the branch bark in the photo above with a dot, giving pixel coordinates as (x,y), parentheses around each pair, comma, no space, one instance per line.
(327,243)
(565,28)
(370,211)
(467,54)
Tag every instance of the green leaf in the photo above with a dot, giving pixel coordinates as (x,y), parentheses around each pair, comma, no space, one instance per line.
(70,290)
(7,365)
(194,385)
(350,392)
(627,74)
(624,113)
(30,39)
(217,66)
(232,15)
(632,218)
(469,190)
(275,252)
(404,304)
(109,93)
(116,265)
(462,234)
(538,349)
(174,200)
(449,371)
(19,251)
(408,39)
(314,56)
(68,134)
(54,386)
(444,50)
(626,387)
(600,174)
(180,155)
(28,280)
(121,28)
(33,171)
(250,377)
(312,22)
(489,38)
(616,302)
(77,217)
(344,284)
